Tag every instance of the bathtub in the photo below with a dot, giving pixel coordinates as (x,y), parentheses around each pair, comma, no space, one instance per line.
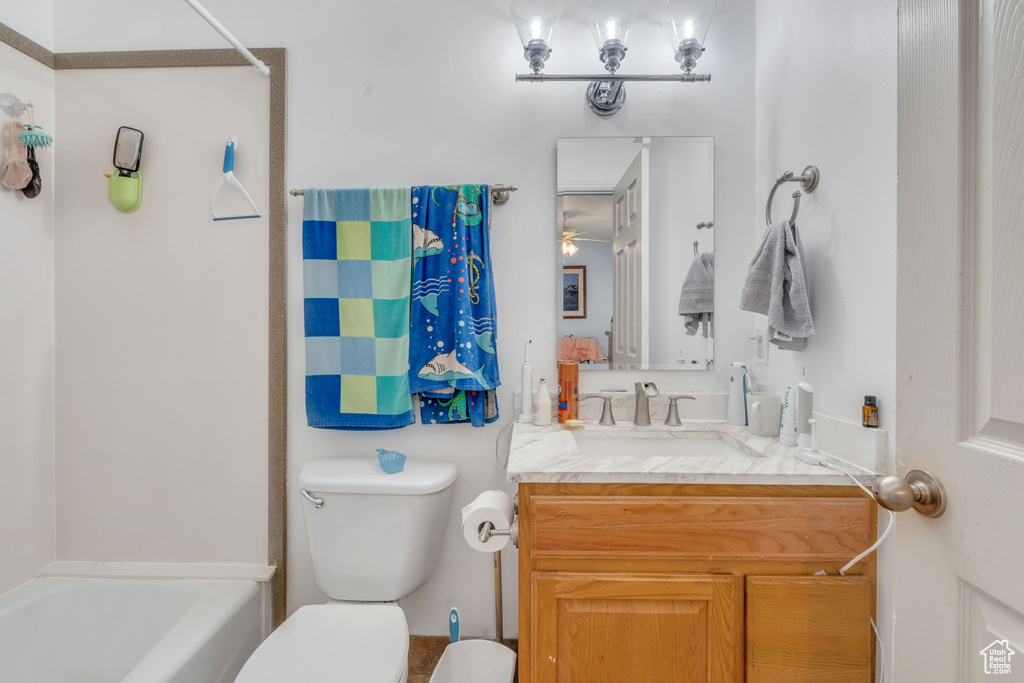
(58,630)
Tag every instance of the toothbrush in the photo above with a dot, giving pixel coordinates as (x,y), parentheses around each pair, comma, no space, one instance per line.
(526,416)
(453,625)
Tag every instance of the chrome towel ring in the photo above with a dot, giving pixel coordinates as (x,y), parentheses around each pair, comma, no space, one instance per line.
(808,181)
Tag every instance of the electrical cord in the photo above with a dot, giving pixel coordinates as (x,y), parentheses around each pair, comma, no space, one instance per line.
(812,458)
(888,528)
(714,384)
(881,651)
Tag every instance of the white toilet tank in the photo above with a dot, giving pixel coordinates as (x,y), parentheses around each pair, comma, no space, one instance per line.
(377,536)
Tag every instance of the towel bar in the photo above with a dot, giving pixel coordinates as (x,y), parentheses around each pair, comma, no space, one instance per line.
(499,193)
(808,181)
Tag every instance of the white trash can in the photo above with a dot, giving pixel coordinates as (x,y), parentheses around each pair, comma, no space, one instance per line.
(475,661)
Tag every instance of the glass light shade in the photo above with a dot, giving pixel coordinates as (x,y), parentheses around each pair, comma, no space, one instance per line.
(610,20)
(686,20)
(568,248)
(535,19)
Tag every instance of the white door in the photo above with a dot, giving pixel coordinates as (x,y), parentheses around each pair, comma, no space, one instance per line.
(959,579)
(630,263)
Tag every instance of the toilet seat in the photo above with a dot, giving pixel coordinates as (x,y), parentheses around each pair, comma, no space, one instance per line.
(342,643)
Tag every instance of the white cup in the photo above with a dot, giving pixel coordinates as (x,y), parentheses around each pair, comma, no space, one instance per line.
(764,413)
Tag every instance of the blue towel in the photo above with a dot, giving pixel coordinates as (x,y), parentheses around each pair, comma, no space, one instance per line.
(453,365)
(356,268)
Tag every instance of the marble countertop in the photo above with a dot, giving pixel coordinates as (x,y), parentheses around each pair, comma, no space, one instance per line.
(551,454)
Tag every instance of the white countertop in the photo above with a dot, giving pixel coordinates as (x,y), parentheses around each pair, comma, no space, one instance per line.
(550,454)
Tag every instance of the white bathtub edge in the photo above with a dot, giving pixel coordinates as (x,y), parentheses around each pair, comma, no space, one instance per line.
(158,570)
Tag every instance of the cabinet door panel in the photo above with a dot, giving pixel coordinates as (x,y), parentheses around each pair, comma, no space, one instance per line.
(809,629)
(622,629)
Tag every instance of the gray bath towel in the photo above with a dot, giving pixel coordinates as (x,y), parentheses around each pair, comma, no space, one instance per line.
(697,296)
(776,286)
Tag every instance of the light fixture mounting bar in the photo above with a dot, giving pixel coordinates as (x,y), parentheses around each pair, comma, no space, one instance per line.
(679,78)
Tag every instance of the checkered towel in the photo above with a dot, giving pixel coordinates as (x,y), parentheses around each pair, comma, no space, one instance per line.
(357,270)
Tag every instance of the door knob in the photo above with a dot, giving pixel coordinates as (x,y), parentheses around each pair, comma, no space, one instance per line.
(919,490)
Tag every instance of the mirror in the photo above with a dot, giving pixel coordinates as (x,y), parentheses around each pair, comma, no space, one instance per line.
(635,245)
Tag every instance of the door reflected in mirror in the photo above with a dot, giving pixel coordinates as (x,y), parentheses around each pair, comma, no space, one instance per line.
(636,218)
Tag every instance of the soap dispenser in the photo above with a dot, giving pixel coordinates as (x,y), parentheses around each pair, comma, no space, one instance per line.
(739,386)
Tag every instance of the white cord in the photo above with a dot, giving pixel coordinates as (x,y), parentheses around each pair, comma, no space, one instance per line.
(881,652)
(888,528)
(718,374)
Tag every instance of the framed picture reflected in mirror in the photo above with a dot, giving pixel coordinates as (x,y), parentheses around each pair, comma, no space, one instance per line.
(574,291)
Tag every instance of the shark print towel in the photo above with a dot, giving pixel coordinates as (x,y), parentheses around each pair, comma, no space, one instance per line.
(452,335)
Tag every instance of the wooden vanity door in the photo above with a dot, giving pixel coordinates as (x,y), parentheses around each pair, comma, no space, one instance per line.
(627,628)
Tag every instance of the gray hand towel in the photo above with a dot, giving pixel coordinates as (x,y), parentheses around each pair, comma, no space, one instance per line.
(697,296)
(776,286)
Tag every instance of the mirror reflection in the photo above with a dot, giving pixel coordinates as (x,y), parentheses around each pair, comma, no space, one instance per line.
(636,249)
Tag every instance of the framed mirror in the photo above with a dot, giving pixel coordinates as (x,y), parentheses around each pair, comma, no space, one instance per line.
(636,220)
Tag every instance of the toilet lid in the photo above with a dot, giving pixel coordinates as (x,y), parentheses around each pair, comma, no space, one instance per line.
(337,643)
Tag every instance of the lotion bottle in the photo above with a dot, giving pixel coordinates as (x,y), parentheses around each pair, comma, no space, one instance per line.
(542,417)
(788,428)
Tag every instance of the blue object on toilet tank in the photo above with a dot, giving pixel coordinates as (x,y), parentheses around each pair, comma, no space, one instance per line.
(453,625)
(391,462)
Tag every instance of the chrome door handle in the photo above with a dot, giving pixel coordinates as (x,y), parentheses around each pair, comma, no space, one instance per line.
(318,502)
(919,490)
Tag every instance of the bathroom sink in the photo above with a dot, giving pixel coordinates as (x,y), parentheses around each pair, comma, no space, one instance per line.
(655,444)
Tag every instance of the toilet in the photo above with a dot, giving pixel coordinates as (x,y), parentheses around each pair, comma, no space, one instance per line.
(373,538)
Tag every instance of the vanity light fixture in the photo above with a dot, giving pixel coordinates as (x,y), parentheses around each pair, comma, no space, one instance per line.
(685,21)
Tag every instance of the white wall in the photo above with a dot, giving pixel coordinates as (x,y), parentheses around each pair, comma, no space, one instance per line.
(162,322)
(401,92)
(34,20)
(26,344)
(826,95)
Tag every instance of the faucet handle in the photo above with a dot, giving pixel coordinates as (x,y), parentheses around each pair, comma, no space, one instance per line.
(672,419)
(607,418)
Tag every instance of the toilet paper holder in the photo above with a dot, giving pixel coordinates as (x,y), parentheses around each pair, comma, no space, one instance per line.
(486,530)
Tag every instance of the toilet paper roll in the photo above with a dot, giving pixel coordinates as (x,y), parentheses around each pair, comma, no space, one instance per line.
(490,506)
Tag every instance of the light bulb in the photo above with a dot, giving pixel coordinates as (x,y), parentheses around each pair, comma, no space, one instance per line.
(686,22)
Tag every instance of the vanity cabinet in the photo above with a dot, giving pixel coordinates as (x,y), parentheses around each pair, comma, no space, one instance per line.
(705,583)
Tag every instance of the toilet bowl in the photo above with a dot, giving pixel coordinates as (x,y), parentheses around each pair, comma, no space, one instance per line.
(373,538)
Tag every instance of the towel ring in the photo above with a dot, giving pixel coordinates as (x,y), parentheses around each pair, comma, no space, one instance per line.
(695,253)
(808,180)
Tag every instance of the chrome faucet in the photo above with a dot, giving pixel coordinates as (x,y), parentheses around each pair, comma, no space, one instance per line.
(645,391)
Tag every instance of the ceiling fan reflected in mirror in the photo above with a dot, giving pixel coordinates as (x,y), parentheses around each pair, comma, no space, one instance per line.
(571,236)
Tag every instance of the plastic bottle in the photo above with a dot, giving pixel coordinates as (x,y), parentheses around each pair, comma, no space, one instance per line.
(568,390)
(542,403)
(870,412)
(788,428)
